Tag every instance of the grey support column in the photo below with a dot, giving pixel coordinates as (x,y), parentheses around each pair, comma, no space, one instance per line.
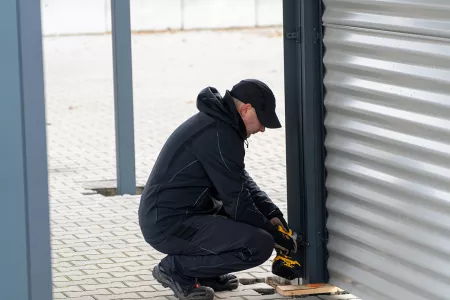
(313,140)
(123,95)
(303,71)
(294,124)
(25,260)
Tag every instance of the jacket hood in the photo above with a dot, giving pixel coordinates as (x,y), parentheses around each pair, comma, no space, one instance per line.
(210,102)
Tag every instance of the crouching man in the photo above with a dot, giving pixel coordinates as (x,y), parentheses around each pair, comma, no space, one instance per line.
(201,207)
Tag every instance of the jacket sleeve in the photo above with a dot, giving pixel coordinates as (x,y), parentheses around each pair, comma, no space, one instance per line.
(261,200)
(222,157)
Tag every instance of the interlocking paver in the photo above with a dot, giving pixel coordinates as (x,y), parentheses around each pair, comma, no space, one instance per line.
(260,287)
(339,297)
(97,275)
(69,283)
(268,297)
(57,278)
(77,295)
(57,295)
(119,297)
(125,279)
(239,292)
(110,286)
(105,261)
(151,295)
(60,264)
(138,289)
(126,258)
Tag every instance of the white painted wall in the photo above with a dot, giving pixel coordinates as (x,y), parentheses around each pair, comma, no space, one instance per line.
(153,14)
(269,12)
(73,16)
(219,13)
(94,16)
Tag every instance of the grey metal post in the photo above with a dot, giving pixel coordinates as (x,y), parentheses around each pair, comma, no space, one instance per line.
(123,97)
(313,138)
(305,133)
(25,260)
(294,132)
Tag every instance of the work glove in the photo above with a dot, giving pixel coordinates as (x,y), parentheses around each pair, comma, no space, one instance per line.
(279,221)
(285,243)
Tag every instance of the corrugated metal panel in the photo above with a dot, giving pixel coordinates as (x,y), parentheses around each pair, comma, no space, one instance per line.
(388,150)
(427,17)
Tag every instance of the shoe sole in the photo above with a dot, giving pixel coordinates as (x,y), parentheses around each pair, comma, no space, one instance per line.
(229,286)
(167,283)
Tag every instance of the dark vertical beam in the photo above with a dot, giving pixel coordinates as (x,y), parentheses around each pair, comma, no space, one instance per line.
(313,140)
(25,259)
(123,97)
(294,124)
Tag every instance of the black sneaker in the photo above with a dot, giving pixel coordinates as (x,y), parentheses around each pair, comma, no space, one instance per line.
(182,291)
(225,282)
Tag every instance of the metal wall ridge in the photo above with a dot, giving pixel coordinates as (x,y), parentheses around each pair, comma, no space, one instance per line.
(434,215)
(387,101)
(385,182)
(360,251)
(363,29)
(380,37)
(383,271)
(424,17)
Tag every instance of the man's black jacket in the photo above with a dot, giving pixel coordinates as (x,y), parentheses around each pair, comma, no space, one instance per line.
(201,170)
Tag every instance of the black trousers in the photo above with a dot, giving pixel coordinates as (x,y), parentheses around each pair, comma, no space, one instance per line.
(213,245)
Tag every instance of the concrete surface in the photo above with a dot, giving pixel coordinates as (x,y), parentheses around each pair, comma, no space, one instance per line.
(97,248)
(68,17)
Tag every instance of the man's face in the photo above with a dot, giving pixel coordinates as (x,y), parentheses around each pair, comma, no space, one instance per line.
(250,119)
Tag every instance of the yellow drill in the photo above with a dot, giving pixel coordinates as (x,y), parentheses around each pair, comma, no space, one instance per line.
(283,265)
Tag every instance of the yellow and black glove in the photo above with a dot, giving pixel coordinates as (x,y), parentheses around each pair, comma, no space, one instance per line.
(279,220)
(284,242)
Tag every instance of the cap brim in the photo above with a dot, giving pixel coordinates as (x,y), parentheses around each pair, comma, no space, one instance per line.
(269,120)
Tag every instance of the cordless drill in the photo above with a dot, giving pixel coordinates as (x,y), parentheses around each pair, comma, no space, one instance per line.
(284,265)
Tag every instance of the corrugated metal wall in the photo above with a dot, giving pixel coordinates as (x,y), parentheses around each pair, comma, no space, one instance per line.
(387,100)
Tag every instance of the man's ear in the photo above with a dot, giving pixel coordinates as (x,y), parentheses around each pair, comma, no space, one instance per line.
(246,108)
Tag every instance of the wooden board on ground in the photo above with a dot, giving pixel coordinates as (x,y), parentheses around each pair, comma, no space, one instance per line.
(308,289)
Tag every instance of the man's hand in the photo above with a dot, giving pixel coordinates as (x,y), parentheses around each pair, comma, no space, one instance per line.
(282,241)
(276,221)
(285,243)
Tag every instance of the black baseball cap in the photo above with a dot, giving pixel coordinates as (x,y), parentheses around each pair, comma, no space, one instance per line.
(261,97)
